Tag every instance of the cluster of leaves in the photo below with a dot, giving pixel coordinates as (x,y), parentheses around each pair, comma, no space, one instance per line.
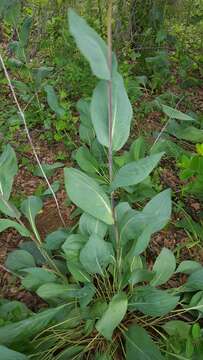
(105,301)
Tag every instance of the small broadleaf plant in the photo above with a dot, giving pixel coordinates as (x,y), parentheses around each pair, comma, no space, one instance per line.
(105,301)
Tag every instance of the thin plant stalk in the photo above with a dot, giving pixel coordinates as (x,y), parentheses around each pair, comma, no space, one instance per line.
(110,123)
(22,115)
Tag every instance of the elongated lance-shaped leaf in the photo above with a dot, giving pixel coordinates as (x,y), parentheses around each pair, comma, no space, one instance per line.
(176,114)
(164,267)
(88,195)
(140,346)
(20,259)
(91,45)
(136,171)
(89,225)
(188,267)
(121,112)
(8,169)
(86,160)
(153,302)
(113,315)
(8,354)
(53,101)
(30,208)
(6,223)
(96,255)
(25,31)
(141,225)
(8,208)
(25,330)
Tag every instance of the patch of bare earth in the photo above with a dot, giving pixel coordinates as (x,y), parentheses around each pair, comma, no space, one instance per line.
(47,221)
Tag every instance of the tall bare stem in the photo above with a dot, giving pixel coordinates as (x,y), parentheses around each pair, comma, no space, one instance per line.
(110,123)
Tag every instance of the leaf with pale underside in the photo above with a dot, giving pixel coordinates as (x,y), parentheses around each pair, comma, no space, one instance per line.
(121,113)
(135,172)
(88,195)
(91,45)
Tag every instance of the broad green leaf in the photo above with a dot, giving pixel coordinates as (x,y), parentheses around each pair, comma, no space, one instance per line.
(121,109)
(87,134)
(153,302)
(8,354)
(13,311)
(96,255)
(140,275)
(121,209)
(71,248)
(49,169)
(188,267)
(89,225)
(196,302)
(86,160)
(139,345)
(158,210)
(176,114)
(39,74)
(73,245)
(140,244)
(25,31)
(113,315)
(8,169)
(54,290)
(86,130)
(55,187)
(30,208)
(7,208)
(36,277)
(195,280)
(99,151)
(86,194)
(53,101)
(90,44)
(137,149)
(164,267)
(78,272)
(22,331)
(135,172)
(169,147)
(31,247)
(6,223)
(19,259)
(190,133)
(86,294)
(71,352)
(56,239)
(152,218)
(83,106)
(17,50)
(131,225)
(177,328)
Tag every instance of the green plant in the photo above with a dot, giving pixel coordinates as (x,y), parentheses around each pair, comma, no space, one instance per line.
(105,301)
(191,172)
